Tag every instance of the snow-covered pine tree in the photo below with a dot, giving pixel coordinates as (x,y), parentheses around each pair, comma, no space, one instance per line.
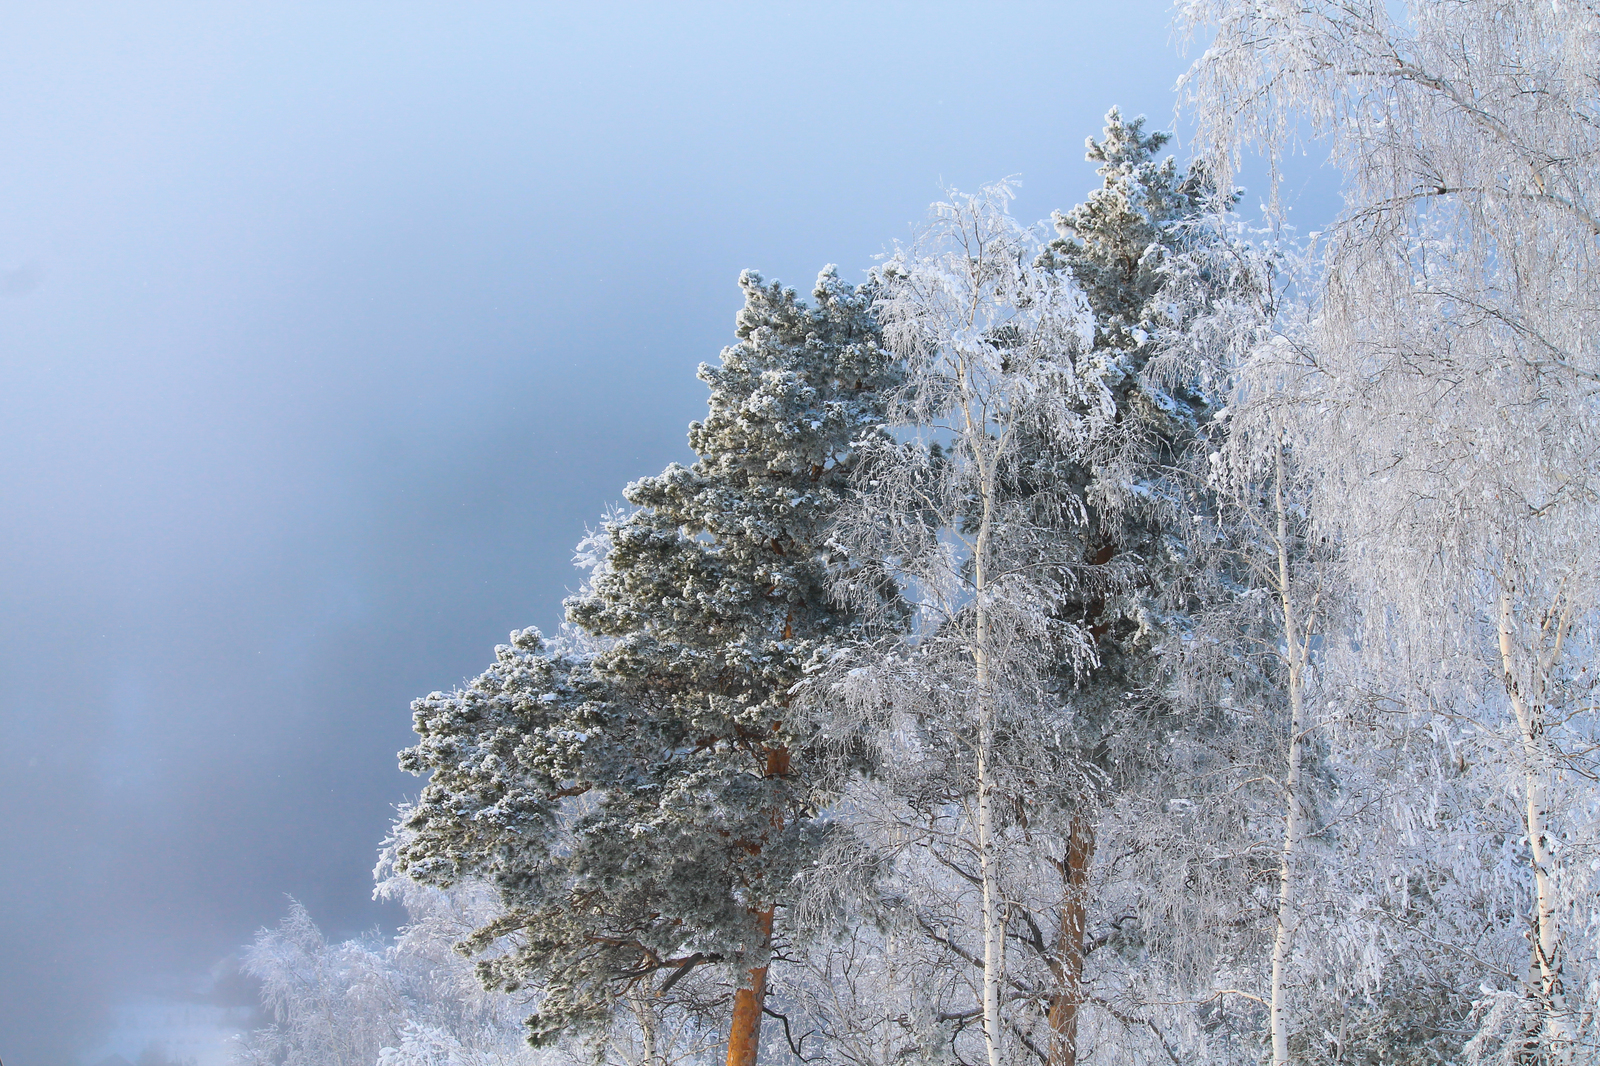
(645,811)
(1140,478)
(508,754)
(1043,524)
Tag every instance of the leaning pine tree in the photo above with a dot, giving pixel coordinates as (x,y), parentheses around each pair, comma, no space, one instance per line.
(646,808)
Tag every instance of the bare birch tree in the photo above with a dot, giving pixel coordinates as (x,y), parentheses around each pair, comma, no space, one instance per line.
(990,342)
(1452,416)
(1266,503)
(1092,481)
(1266,545)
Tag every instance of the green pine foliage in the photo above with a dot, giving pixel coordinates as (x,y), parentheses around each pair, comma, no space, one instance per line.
(639,806)
(1119,242)
(1138,463)
(1147,231)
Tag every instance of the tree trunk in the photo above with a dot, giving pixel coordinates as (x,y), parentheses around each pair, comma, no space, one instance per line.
(1067,1002)
(744,1032)
(1527,703)
(994,925)
(1294,811)
(639,998)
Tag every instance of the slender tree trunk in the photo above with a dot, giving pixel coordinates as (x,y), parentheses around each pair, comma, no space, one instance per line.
(644,1011)
(744,1032)
(1067,1003)
(994,928)
(1283,939)
(1294,804)
(1528,706)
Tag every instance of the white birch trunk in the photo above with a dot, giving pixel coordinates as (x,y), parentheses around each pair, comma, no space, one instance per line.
(649,1042)
(1528,706)
(989,340)
(994,929)
(1294,812)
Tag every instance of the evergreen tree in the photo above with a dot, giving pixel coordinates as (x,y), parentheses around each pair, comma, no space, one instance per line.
(1148,231)
(1045,524)
(646,809)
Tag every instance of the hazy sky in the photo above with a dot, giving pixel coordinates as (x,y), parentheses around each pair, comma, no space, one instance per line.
(324,330)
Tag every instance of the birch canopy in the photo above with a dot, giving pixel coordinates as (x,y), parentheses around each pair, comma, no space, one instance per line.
(1454,386)
(1036,510)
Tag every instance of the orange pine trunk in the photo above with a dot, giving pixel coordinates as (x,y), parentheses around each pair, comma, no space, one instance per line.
(1067,1002)
(744,1033)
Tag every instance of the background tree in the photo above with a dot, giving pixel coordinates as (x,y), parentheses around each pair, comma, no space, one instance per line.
(1273,583)
(1099,482)
(410,1001)
(988,340)
(1147,230)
